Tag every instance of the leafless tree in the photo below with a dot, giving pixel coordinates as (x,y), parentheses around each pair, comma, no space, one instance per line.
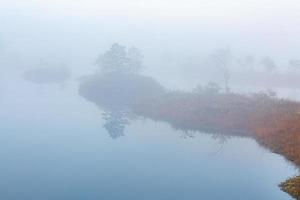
(268,64)
(222,60)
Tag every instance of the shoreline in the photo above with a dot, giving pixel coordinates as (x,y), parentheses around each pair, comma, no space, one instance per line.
(273,122)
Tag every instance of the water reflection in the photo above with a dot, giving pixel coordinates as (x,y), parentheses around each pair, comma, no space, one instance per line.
(70,158)
(209,109)
(115,123)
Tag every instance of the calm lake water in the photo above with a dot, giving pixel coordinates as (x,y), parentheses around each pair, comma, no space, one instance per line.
(53,146)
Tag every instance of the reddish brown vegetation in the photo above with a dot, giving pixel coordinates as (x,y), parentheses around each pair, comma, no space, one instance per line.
(273,122)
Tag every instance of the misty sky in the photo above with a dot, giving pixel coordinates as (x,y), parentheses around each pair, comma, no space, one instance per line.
(276,24)
(195,9)
(76,32)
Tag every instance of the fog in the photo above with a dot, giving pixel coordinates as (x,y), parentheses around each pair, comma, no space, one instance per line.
(172,85)
(175,36)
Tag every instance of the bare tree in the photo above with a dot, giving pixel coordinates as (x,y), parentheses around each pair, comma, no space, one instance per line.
(268,64)
(294,64)
(247,62)
(222,59)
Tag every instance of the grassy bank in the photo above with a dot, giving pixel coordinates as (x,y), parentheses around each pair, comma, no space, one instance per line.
(272,122)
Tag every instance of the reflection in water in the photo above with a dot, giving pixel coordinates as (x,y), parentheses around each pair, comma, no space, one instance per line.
(115,122)
(207,109)
(75,160)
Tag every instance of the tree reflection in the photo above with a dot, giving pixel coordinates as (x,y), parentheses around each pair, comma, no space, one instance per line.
(115,123)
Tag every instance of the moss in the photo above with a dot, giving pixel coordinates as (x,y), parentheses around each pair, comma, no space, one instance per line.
(292,186)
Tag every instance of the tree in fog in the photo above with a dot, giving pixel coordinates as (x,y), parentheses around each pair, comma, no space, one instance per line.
(246,62)
(134,59)
(211,88)
(114,59)
(269,64)
(294,64)
(119,59)
(222,60)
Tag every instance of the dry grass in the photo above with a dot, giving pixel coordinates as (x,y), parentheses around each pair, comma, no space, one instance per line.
(273,122)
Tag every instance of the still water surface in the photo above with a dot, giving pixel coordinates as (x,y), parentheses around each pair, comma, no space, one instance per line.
(53,146)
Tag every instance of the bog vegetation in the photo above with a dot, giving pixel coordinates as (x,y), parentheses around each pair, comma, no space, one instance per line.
(273,122)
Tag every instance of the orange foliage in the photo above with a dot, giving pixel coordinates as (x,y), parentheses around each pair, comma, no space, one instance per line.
(273,122)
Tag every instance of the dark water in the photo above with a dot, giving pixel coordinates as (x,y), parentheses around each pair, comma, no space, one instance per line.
(53,146)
